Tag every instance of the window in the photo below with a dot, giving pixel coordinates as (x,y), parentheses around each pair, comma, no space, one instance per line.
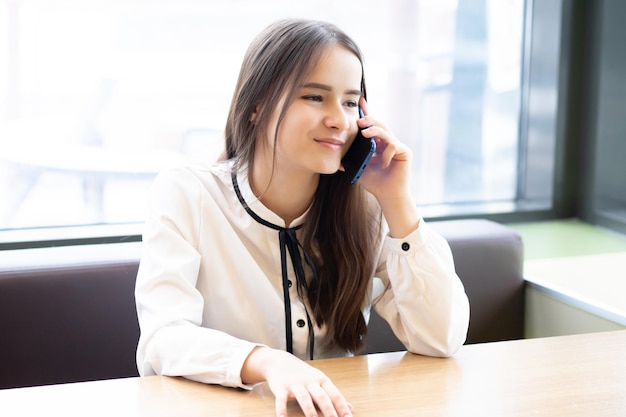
(97,95)
(603,127)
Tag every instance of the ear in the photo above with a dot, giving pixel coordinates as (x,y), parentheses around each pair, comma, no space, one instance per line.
(253,116)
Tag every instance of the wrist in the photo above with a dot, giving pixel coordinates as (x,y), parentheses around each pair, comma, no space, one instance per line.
(402,216)
(255,366)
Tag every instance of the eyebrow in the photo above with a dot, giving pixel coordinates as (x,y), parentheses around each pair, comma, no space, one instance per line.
(329,88)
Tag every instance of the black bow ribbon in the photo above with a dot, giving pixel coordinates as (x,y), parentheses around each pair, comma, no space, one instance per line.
(288,244)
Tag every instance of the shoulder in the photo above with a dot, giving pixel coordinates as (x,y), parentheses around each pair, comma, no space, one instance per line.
(187,183)
(187,174)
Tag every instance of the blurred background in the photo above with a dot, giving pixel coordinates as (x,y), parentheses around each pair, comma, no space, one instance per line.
(96,96)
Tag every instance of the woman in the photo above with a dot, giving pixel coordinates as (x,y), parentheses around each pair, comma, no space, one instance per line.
(270,256)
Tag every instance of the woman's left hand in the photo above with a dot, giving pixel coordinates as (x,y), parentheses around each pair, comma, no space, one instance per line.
(387,175)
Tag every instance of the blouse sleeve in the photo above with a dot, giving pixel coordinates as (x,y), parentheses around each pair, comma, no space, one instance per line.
(423,299)
(169,306)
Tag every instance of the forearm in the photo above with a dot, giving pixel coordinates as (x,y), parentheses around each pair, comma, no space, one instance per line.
(425,302)
(401,215)
(196,353)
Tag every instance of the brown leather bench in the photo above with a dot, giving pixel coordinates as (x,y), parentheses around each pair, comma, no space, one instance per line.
(67,314)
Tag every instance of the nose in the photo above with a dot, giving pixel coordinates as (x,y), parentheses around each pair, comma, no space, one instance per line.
(337,117)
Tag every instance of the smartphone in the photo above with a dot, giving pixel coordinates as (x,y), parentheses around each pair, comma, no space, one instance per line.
(358,155)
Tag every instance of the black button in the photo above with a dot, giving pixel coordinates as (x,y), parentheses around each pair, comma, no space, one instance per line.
(300,323)
(289,284)
(405,246)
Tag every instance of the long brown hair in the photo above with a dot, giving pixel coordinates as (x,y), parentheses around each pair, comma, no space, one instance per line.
(342,229)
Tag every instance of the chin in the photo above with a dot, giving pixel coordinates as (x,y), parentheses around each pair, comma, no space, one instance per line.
(324,165)
(328,170)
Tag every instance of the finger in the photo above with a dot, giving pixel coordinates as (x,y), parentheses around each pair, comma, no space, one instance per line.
(390,151)
(376,130)
(387,146)
(377,127)
(363,105)
(367,120)
(281,405)
(340,404)
(322,400)
(303,397)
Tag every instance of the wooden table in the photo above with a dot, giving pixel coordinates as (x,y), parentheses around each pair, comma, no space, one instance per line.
(581,375)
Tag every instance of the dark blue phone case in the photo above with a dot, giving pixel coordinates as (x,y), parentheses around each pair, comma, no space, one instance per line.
(358,155)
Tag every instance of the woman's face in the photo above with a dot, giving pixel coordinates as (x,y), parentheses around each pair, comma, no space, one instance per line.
(320,124)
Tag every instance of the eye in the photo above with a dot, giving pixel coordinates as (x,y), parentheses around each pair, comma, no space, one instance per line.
(313,97)
(352,104)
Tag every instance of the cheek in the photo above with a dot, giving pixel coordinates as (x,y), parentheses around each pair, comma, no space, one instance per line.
(266,139)
(287,139)
(352,134)
(294,126)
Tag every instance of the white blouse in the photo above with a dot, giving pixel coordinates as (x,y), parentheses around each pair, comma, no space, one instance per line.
(209,286)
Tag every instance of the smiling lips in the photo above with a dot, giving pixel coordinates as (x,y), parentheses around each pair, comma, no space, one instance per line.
(331,143)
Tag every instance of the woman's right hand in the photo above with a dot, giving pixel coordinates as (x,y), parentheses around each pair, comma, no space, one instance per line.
(291,378)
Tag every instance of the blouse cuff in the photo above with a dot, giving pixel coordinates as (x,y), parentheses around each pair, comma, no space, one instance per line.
(236,364)
(410,243)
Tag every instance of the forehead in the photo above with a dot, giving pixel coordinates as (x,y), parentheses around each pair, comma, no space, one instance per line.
(338,67)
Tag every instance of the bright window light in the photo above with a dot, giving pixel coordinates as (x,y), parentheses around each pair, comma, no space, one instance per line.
(96,96)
